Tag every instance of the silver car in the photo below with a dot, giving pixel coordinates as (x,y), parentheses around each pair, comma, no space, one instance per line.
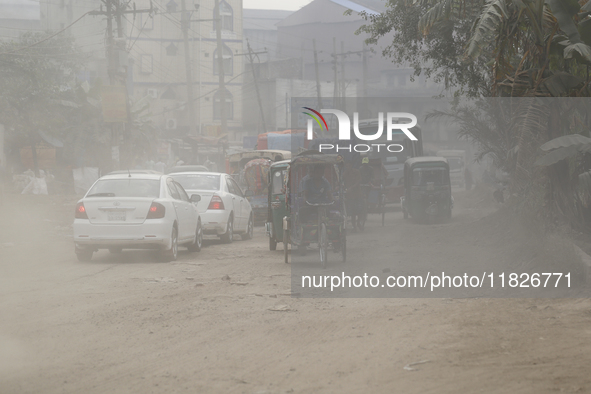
(137,211)
(224,208)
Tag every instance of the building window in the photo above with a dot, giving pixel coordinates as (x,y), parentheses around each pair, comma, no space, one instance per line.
(227,59)
(217,104)
(171,49)
(146,64)
(171,6)
(226,15)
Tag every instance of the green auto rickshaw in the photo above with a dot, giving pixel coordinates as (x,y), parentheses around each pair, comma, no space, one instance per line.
(427,188)
(277,205)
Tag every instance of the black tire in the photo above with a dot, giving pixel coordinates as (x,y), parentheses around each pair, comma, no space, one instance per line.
(84,255)
(285,248)
(196,246)
(272,243)
(249,229)
(172,253)
(228,237)
(115,250)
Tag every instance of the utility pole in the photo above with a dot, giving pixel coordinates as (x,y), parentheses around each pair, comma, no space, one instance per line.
(256,82)
(116,9)
(334,67)
(222,82)
(185,22)
(343,81)
(185,27)
(318,92)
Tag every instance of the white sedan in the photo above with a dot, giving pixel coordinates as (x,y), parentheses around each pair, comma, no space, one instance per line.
(224,208)
(137,211)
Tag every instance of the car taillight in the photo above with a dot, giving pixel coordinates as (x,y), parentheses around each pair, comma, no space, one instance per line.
(216,203)
(156,211)
(80,211)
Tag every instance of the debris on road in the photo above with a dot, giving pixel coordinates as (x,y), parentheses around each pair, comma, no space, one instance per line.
(408,367)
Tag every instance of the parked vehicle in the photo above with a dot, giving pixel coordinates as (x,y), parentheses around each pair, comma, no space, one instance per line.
(250,169)
(185,168)
(457,165)
(236,162)
(427,188)
(136,211)
(224,208)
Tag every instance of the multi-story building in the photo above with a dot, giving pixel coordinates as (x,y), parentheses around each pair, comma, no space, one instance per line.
(89,31)
(151,46)
(158,58)
(17,17)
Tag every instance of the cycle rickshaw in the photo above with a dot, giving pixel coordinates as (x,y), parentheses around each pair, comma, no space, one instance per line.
(314,218)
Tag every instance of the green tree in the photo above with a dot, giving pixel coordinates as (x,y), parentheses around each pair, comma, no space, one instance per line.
(431,36)
(37,83)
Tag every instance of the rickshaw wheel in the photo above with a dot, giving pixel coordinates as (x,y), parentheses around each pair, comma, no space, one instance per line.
(323,245)
(272,243)
(285,243)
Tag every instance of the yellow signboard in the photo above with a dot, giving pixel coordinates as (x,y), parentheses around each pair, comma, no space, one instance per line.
(114,101)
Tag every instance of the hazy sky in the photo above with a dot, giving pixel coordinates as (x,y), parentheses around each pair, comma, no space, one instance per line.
(291,5)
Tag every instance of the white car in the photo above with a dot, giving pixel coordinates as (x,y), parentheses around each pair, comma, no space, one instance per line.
(223,207)
(137,211)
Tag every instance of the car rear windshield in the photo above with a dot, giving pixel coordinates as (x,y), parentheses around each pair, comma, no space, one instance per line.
(126,188)
(198,181)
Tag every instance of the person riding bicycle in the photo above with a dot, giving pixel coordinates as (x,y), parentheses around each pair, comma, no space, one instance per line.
(316,190)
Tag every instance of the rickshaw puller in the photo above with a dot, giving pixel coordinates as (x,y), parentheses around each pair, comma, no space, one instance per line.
(316,190)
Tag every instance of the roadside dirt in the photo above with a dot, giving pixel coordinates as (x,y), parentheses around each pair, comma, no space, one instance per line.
(223,320)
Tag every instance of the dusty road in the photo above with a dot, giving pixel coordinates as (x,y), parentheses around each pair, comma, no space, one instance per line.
(223,320)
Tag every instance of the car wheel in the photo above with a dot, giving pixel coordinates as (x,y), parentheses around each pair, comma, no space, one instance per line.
(84,255)
(249,229)
(228,237)
(172,253)
(196,246)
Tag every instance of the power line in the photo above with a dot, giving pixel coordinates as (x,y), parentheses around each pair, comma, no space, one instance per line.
(47,38)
